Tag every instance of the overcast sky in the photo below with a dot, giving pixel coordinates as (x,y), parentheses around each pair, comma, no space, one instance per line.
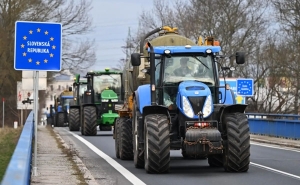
(111,19)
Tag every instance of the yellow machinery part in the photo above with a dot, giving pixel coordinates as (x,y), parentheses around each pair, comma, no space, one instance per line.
(126,111)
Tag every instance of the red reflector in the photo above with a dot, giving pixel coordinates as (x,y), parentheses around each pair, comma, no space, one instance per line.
(201,125)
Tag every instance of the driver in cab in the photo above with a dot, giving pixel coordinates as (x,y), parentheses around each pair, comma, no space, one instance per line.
(183,70)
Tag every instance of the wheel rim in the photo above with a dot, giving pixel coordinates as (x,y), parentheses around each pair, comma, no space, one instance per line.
(146,148)
(135,133)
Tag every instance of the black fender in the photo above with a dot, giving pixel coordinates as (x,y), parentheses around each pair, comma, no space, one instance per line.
(156,109)
(135,96)
(229,109)
(74,107)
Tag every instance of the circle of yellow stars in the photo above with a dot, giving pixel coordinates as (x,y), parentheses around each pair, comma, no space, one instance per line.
(51,55)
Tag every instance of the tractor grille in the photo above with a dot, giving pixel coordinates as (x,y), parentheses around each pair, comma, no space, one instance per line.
(197,103)
(106,106)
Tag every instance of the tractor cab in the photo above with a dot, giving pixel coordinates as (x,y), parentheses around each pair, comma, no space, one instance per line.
(104,86)
(186,78)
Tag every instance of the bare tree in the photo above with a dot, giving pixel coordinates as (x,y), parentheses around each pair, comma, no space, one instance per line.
(288,17)
(77,54)
(73,15)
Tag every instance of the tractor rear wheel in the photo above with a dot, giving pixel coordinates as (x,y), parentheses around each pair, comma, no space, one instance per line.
(116,130)
(125,139)
(90,120)
(74,120)
(215,160)
(236,157)
(138,157)
(157,144)
(60,121)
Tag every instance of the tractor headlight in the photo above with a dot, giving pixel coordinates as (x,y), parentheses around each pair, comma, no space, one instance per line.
(207,108)
(167,51)
(114,100)
(104,100)
(68,111)
(187,109)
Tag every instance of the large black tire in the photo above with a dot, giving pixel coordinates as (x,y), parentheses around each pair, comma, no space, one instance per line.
(74,119)
(125,139)
(49,121)
(236,157)
(90,120)
(138,157)
(117,142)
(215,160)
(54,120)
(60,121)
(157,144)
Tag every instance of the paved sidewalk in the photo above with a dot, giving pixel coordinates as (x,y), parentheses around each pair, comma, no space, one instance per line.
(275,140)
(56,163)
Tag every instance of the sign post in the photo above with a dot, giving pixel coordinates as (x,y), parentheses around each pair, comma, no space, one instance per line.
(37,48)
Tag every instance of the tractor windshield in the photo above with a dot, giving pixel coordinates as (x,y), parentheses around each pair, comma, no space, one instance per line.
(82,89)
(192,67)
(112,81)
(66,102)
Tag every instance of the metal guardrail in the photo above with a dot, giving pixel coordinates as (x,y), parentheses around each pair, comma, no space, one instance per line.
(19,167)
(275,125)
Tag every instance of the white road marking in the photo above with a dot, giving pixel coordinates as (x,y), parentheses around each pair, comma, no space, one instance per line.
(276,147)
(127,174)
(274,170)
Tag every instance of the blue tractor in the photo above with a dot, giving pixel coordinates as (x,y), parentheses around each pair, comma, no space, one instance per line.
(58,116)
(183,107)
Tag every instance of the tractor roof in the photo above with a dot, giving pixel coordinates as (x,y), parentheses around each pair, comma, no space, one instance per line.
(185,49)
(106,72)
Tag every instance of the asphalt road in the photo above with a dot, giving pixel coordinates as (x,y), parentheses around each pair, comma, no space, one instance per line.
(269,165)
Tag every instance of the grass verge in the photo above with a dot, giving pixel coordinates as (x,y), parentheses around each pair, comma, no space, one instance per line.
(70,153)
(8,140)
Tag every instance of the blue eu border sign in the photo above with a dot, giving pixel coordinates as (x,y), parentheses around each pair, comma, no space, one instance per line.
(38,46)
(233,86)
(245,87)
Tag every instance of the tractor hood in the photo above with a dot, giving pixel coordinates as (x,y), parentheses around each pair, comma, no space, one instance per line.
(194,98)
(108,94)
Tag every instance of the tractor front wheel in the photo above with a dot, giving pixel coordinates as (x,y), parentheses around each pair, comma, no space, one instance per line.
(157,143)
(60,121)
(236,157)
(125,139)
(138,157)
(74,119)
(117,142)
(90,120)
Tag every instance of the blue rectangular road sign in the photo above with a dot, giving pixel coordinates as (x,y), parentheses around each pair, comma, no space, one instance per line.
(38,46)
(233,86)
(245,87)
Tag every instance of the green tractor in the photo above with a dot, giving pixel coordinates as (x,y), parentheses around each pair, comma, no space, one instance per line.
(97,104)
(79,87)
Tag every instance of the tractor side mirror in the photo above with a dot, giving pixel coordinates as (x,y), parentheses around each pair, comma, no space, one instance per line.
(135,59)
(240,57)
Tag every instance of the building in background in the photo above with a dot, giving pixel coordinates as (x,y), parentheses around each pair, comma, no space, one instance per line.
(60,82)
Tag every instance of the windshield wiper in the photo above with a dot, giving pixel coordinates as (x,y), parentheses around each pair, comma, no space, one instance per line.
(200,61)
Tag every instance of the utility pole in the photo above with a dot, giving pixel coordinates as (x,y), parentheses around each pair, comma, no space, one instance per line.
(127,48)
